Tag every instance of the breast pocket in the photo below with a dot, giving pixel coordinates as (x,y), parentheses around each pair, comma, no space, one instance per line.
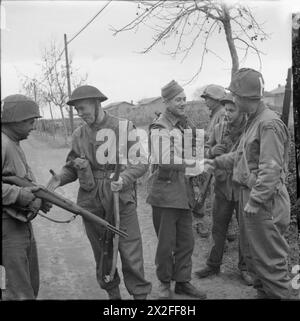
(252,154)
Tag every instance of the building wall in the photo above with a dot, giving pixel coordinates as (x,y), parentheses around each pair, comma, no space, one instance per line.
(120,110)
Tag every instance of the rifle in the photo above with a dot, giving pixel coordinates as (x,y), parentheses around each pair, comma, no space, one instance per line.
(110,277)
(61,202)
(287,98)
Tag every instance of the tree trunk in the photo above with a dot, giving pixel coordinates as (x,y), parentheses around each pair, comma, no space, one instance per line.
(230,41)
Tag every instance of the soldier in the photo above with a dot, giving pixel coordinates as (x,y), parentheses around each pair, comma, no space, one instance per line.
(224,138)
(259,167)
(171,197)
(212,95)
(19,204)
(95,193)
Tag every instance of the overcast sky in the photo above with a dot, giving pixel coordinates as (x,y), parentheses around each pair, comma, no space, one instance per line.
(112,62)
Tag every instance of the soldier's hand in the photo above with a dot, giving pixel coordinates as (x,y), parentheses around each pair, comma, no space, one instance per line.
(194,167)
(54,181)
(209,165)
(250,210)
(46,206)
(35,205)
(26,195)
(218,150)
(116,186)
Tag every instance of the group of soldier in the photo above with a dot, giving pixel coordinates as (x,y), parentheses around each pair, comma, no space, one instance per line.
(246,151)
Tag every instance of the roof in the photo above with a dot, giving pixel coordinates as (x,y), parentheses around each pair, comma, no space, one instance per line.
(111,105)
(277,91)
(146,101)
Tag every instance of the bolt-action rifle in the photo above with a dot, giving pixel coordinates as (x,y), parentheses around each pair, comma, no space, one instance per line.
(62,202)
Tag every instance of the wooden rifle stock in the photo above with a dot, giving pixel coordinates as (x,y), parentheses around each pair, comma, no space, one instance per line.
(62,202)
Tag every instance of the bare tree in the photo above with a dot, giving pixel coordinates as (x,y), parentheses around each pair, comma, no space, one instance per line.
(191,21)
(32,90)
(55,79)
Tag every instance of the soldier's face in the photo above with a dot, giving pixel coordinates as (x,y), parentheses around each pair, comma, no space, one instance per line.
(211,103)
(232,112)
(177,104)
(86,110)
(242,103)
(23,128)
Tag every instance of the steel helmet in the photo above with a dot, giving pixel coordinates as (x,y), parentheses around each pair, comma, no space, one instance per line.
(214,91)
(17,108)
(86,92)
(248,83)
(227,98)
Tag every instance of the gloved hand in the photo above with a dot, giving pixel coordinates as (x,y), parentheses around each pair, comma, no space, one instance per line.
(218,150)
(116,186)
(26,195)
(54,181)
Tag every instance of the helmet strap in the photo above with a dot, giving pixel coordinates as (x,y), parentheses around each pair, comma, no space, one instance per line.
(96,112)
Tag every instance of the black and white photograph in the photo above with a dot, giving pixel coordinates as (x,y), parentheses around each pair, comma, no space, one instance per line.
(151,152)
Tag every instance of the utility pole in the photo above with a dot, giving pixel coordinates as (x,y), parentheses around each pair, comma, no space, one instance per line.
(69,84)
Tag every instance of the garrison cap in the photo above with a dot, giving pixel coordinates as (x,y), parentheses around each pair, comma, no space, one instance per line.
(170,90)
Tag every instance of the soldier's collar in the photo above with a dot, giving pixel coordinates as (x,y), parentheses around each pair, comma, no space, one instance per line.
(8,131)
(171,117)
(258,111)
(101,122)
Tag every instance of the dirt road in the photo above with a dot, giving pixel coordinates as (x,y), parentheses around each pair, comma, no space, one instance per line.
(67,267)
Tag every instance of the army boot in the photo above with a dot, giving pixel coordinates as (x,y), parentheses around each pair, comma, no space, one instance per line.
(207,271)
(164,290)
(114,293)
(246,277)
(188,289)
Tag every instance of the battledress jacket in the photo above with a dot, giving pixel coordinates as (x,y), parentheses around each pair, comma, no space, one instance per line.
(86,142)
(168,186)
(261,159)
(13,164)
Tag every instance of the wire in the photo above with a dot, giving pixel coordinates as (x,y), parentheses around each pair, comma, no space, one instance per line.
(76,35)
(96,15)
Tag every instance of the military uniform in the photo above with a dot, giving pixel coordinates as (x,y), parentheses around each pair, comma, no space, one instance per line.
(171,195)
(99,200)
(19,251)
(226,193)
(259,167)
(216,117)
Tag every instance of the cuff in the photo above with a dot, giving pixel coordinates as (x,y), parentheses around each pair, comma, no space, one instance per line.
(253,202)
